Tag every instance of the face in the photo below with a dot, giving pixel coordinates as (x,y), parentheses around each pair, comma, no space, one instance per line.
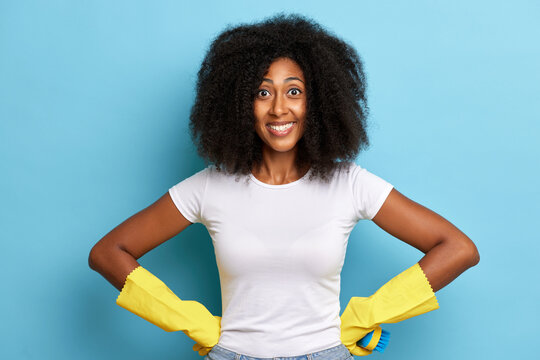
(280,101)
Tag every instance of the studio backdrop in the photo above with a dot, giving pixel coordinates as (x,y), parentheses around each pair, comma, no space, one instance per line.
(94,111)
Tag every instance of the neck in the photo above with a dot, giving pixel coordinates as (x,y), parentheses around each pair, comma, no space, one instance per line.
(278,168)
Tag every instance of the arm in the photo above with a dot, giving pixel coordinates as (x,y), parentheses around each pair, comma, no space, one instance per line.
(116,254)
(115,257)
(448,251)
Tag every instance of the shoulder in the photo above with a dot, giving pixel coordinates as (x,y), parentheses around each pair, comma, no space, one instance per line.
(359,175)
(208,171)
(221,177)
(349,169)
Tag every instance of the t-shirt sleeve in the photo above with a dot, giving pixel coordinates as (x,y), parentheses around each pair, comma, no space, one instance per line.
(188,195)
(369,192)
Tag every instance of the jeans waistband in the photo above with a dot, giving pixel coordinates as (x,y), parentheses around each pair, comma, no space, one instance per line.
(339,352)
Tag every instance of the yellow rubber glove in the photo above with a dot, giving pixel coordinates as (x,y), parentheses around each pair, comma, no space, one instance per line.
(203,350)
(148,297)
(352,331)
(406,295)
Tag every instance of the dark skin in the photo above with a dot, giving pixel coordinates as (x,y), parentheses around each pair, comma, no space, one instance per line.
(448,251)
(281,97)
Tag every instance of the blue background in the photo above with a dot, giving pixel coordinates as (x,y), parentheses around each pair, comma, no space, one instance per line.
(94,105)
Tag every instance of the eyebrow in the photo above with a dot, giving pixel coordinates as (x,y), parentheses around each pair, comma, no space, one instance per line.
(287,79)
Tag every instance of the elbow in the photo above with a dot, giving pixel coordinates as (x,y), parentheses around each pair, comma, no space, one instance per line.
(470,253)
(463,250)
(99,255)
(475,256)
(104,256)
(93,258)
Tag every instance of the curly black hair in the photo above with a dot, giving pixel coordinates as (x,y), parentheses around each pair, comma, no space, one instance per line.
(222,121)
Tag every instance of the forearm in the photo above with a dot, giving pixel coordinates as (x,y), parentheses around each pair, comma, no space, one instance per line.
(447,260)
(406,295)
(113,263)
(148,297)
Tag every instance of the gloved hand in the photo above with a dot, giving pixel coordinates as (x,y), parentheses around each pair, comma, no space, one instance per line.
(148,297)
(376,340)
(201,349)
(406,295)
(352,331)
(205,350)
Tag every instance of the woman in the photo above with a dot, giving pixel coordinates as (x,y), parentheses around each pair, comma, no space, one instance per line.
(279,103)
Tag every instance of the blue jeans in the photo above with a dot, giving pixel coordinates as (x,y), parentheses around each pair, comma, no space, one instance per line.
(339,352)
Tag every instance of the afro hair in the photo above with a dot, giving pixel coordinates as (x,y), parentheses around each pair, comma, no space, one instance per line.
(222,121)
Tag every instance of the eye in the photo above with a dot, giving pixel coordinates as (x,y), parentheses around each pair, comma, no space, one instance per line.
(260,91)
(298,91)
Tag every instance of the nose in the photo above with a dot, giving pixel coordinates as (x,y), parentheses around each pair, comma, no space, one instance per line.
(279,106)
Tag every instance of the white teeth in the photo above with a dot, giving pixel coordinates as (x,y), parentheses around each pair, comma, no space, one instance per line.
(281,127)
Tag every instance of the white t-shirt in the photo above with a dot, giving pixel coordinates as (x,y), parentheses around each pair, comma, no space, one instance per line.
(279,251)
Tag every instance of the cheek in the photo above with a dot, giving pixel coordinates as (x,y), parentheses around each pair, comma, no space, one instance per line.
(300,110)
(257,111)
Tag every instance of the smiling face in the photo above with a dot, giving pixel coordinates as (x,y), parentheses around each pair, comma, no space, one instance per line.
(280,101)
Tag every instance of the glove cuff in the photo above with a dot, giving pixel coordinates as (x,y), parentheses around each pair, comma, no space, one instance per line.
(406,295)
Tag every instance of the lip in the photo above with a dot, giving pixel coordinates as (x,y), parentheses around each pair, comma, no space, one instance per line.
(277,123)
(281,133)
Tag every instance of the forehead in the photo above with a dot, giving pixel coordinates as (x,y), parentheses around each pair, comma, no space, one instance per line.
(284,67)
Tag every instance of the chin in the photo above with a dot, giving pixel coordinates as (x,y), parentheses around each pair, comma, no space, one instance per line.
(282,148)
